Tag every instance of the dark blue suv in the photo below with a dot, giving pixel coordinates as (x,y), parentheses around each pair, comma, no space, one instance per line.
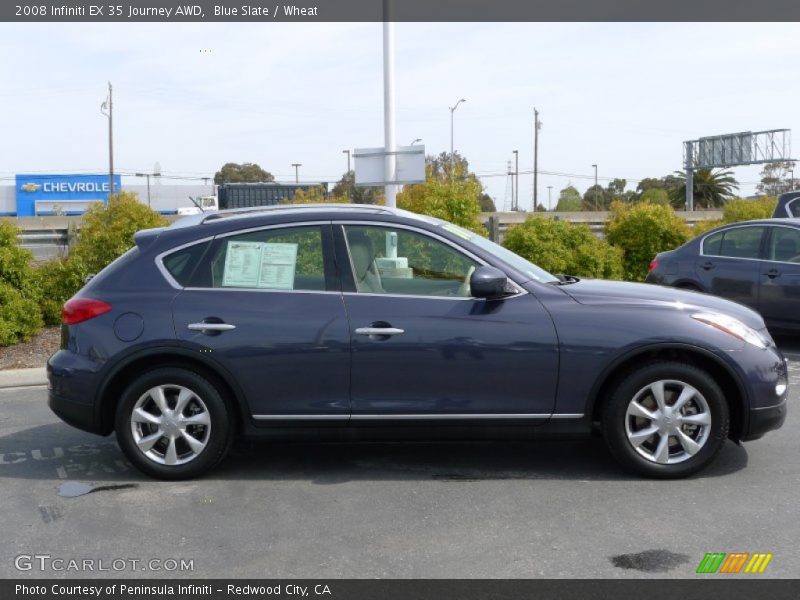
(362,322)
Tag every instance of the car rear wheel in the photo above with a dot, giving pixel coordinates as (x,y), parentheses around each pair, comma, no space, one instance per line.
(666,420)
(172,423)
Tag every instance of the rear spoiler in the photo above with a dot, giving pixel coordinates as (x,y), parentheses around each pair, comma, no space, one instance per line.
(146,237)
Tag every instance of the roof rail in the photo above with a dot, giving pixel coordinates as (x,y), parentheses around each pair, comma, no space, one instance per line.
(233,212)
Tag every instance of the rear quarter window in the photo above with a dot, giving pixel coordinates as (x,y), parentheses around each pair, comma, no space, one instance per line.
(181,264)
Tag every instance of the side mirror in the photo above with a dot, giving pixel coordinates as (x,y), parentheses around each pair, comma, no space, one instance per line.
(488,282)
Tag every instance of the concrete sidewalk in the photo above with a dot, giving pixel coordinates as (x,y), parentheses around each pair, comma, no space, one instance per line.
(23,377)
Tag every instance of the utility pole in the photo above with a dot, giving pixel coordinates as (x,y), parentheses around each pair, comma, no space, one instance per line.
(516,179)
(107,109)
(297,171)
(510,174)
(595,187)
(536,126)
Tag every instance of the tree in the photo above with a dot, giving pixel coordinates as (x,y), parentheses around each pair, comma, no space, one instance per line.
(315,195)
(776,178)
(241,173)
(641,231)
(711,188)
(346,188)
(487,203)
(596,198)
(654,195)
(563,247)
(455,200)
(569,200)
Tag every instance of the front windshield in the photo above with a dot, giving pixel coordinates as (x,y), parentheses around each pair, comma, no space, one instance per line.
(516,261)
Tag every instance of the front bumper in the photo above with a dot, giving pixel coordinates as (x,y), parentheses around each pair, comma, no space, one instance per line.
(764,419)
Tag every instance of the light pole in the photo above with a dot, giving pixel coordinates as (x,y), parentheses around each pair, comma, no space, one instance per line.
(348,159)
(148,176)
(791,188)
(107,109)
(549,197)
(516,180)
(297,172)
(452,111)
(415,141)
(595,186)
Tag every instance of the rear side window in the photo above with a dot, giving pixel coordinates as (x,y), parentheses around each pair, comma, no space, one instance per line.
(739,242)
(784,245)
(182,263)
(270,259)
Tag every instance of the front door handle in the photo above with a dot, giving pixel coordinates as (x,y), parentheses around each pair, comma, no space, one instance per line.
(379,331)
(773,273)
(210,326)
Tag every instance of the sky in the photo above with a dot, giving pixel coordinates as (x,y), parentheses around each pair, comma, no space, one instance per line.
(191,97)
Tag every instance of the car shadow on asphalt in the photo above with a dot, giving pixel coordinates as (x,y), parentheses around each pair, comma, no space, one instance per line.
(60,453)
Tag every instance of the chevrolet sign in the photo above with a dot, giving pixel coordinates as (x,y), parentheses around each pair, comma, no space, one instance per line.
(38,193)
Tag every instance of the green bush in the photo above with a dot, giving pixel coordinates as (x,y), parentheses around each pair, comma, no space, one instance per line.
(58,280)
(641,231)
(20,319)
(15,261)
(561,247)
(107,230)
(739,209)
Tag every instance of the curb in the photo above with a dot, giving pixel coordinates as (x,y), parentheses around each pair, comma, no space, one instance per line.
(23,377)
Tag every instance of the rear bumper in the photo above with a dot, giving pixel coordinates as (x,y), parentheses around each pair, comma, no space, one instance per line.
(71,392)
(764,419)
(73,413)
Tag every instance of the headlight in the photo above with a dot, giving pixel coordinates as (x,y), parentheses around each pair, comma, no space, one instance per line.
(733,326)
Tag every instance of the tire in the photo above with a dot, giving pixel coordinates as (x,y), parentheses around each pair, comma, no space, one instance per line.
(194,437)
(703,418)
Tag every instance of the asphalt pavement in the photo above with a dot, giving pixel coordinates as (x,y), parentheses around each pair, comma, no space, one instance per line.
(301,510)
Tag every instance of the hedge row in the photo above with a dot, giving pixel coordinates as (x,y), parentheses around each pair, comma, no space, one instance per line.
(32,296)
(635,233)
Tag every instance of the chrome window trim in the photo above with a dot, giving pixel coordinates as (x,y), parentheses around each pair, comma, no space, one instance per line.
(171,280)
(765,225)
(787,208)
(159,260)
(419,416)
(342,223)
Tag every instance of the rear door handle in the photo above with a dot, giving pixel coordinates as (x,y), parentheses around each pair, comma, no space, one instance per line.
(379,331)
(708,265)
(210,326)
(773,273)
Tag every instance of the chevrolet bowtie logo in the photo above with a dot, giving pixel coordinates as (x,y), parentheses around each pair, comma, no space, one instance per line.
(30,187)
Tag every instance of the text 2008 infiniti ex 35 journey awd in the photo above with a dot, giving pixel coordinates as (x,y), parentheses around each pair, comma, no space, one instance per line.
(353,322)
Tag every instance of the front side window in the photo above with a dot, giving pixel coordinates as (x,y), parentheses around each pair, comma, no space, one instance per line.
(268,259)
(388,260)
(739,242)
(784,245)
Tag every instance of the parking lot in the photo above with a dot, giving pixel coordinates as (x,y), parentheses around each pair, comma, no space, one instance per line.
(544,509)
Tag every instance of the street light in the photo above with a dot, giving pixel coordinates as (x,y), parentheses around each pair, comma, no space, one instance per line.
(297,172)
(148,176)
(415,141)
(107,110)
(348,159)
(549,198)
(516,180)
(453,110)
(595,186)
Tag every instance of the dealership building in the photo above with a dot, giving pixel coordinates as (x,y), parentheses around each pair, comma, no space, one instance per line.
(59,194)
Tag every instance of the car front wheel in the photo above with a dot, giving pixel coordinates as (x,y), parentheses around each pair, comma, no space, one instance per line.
(666,420)
(171,423)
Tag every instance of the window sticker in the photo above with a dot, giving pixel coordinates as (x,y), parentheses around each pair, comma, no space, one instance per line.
(242,264)
(278,263)
(260,265)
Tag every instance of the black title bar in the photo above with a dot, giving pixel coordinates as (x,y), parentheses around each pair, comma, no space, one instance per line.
(132,11)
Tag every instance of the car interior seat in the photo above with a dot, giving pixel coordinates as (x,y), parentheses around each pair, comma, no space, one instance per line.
(362,252)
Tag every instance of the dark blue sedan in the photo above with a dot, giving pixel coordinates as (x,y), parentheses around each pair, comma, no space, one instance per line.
(361,322)
(756,263)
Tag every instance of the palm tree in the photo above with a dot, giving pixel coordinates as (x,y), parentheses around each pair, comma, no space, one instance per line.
(711,189)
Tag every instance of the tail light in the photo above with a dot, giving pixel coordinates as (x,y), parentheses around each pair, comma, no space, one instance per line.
(77,310)
(653,264)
